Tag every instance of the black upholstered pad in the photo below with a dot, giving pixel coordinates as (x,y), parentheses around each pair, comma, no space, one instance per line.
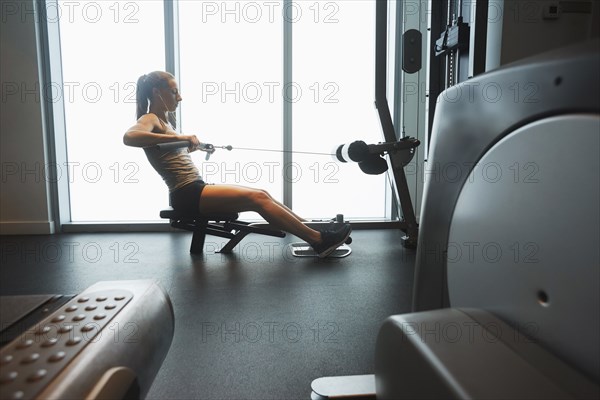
(172,214)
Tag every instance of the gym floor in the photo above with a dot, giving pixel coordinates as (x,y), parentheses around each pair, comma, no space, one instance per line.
(257,324)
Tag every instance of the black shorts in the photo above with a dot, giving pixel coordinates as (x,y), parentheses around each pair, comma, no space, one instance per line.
(187,198)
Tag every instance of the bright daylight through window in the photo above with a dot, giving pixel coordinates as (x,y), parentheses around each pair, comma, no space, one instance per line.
(231,76)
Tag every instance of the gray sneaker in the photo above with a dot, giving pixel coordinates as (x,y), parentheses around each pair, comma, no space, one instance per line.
(332,239)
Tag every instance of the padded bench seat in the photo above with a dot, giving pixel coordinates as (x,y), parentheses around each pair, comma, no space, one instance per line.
(224,225)
(219,217)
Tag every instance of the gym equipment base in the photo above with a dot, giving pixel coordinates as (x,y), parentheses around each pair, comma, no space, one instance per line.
(343,387)
(305,250)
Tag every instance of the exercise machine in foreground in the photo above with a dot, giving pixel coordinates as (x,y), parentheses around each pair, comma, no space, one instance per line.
(107,342)
(507,281)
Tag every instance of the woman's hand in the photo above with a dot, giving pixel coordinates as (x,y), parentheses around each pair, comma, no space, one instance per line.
(194,142)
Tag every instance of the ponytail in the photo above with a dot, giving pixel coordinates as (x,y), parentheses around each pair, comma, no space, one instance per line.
(141,96)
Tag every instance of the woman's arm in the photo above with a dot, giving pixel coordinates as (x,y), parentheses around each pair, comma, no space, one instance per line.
(141,135)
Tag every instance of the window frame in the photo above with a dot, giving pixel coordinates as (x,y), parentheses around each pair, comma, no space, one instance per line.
(55,122)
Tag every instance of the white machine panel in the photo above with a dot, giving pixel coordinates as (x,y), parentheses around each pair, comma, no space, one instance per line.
(524,239)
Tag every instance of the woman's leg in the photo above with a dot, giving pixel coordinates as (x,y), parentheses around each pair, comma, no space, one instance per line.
(230,198)
(291,212)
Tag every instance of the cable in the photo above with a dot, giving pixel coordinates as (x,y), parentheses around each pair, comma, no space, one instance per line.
(284,151)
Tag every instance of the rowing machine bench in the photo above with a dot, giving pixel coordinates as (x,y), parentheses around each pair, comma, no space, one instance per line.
(224,225)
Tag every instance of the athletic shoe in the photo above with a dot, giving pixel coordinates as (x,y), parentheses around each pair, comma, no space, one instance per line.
(329,226)
(332,239)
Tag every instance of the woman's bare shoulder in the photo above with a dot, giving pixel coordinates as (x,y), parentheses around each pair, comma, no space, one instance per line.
(151,122)
(149,118)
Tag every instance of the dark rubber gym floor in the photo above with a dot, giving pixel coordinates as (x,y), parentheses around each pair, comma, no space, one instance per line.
(258,324)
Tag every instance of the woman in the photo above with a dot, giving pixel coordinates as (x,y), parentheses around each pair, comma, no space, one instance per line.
(158,96)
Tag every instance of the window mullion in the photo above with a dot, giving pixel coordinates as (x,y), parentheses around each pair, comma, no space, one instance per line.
(54,115)
(287,105)
(171,16)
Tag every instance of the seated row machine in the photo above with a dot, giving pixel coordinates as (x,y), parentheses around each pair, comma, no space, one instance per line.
(225,225)
(370,160)
(228,226)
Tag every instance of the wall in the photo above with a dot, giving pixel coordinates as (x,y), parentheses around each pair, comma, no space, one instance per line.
(526,31)
(24,190)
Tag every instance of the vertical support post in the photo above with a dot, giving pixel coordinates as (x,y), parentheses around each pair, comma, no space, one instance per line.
(287,104)
(401,185)
(479,38)
(381,71)
(53,113)
(437,65)
(398,111)
(199,236)
(171,22)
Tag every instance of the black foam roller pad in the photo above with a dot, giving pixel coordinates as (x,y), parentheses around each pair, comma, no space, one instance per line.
(373,165)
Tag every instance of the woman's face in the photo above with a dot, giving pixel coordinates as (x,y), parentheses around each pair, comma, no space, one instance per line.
(170,96)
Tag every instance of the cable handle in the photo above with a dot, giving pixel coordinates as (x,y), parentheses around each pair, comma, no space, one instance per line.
(210,148)
(207,147)
(170,146)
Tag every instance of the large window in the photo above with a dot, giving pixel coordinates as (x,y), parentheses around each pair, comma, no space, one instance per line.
(334,70)
(231,80)
(232,57)
(105,47)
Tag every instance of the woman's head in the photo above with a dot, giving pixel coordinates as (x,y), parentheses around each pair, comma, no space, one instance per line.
(157,90)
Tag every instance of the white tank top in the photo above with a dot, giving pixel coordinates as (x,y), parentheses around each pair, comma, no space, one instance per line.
(175,167)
